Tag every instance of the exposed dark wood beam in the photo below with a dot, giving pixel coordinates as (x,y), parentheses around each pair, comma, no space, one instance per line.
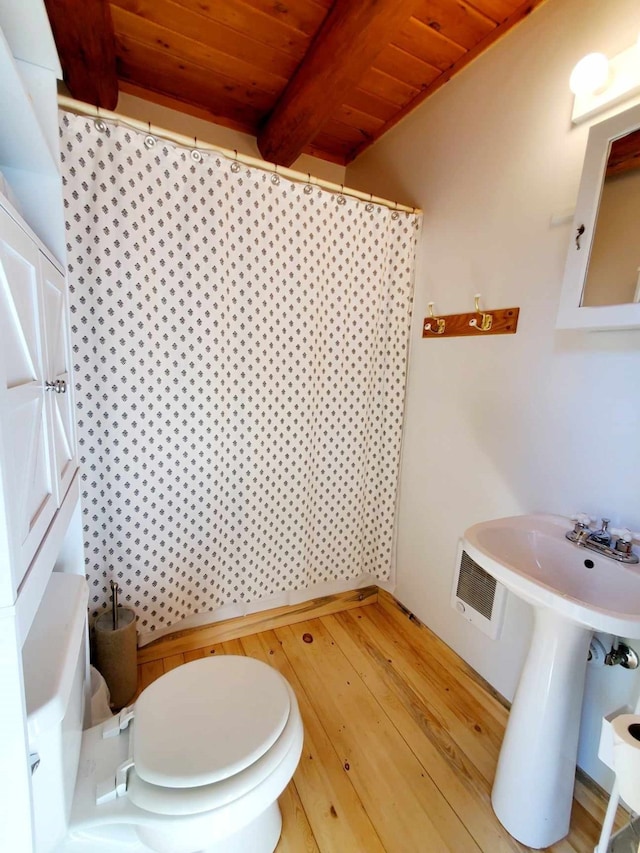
(624,155)
(83,32)
(352,35)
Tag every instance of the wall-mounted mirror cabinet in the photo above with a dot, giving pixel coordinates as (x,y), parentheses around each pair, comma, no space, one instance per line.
(601,288)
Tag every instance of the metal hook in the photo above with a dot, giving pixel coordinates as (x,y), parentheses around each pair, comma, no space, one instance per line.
(486,320)
(440,323)
(579,232)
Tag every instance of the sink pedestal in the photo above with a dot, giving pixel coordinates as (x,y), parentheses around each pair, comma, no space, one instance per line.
(533,789)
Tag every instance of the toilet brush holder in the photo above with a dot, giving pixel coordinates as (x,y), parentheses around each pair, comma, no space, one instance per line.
(116,654)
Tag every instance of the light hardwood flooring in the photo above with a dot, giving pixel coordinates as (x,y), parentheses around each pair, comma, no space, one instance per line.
(401,738)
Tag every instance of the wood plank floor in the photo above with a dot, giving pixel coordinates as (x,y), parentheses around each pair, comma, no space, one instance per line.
(401,739)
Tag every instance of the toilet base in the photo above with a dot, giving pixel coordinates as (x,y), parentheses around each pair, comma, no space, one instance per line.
(260,836)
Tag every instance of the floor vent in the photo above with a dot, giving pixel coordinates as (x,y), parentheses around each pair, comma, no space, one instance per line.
(477,596)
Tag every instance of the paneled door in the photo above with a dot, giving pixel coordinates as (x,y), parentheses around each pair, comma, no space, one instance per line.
(27,469)
(38,456)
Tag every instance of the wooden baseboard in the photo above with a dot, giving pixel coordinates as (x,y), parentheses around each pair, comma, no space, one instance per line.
(265,620)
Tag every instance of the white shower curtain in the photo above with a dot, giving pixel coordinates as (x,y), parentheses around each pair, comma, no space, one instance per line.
(240,347)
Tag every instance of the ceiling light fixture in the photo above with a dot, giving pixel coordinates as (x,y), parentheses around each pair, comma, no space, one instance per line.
(590,75)
(599,83)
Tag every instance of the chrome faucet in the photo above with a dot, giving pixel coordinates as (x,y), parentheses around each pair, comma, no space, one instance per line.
(601,540)
(601,536)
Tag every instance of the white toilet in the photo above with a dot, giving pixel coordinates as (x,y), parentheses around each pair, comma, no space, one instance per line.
(194,766)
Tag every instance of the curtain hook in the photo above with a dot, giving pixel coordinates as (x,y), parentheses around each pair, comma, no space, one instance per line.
(235,166)
(486,320)
(341,198)
(99,123)
(275,178)
(369,205)
(394,216)
(308,189)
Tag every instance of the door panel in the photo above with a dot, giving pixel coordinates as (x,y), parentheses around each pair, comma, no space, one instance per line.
(58,369)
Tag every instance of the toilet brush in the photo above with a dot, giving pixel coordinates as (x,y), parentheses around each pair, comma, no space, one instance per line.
(114,604)
(116,650)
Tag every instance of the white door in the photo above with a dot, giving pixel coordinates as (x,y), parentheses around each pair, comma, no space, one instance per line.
(26,453)
(58,376)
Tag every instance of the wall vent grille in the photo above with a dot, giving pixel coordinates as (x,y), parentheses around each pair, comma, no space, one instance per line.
(475,586)
(477,596)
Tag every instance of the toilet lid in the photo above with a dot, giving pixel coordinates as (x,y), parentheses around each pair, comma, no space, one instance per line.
(207,720)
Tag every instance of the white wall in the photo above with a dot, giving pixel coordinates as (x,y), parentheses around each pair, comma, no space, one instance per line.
(215,134)
(539,421)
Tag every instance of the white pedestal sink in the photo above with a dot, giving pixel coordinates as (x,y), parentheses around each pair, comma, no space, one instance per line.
(574,592)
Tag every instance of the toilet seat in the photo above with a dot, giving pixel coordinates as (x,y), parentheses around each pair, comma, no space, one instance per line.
(204,798)
(182,734)
(208,720)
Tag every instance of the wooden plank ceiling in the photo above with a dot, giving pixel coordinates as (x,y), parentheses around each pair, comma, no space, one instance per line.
(323,77)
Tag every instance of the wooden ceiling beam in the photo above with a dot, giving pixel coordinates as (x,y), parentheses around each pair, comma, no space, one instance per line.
(352,35)
(83,32)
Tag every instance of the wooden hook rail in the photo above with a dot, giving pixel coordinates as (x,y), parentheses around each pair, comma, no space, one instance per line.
(504,321)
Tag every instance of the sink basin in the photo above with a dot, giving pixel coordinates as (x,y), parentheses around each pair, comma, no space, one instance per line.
(530,555)
(573,592)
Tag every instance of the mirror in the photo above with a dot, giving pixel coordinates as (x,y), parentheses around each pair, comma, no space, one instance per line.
(601,288)
(614,261)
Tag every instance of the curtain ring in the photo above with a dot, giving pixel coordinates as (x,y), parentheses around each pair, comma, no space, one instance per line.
(196,156)
(307,187)
(369,205)
(341,199)
(395,215)
(235,166)
(275,178)
(149,140)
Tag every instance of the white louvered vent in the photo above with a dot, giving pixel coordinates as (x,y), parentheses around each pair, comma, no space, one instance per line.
(477,596)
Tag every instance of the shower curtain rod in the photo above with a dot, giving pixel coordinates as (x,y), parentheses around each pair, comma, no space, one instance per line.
(67,103)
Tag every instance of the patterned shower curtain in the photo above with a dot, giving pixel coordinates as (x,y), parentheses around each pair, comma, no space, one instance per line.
(240,346)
